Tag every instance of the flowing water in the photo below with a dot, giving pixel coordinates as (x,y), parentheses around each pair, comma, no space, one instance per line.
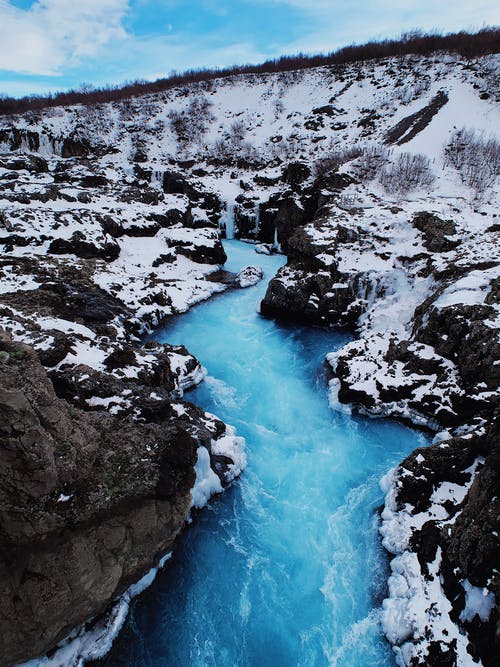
(285,568)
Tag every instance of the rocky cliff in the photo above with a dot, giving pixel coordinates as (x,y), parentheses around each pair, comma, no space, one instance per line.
(90,500)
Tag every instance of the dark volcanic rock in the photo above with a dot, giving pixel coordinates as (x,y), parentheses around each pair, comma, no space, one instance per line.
(78,245)
(409,127)
(119,358)
(75,301)
(58,349)
(33,163)
(283,212)
(435,231)
(17,137)
(75,147)
(93,181)
(469,539)
(296,173)
(307,291)
(458,332)
(175,183)
(203,254)
(89,503)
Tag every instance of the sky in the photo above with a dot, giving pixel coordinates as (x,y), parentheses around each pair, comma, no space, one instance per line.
(49,45)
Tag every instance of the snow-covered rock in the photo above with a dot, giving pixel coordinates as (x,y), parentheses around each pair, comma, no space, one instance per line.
(249,276)
(110,222)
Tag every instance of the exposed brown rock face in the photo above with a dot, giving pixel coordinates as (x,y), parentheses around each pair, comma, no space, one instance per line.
(409,127)
(88,503)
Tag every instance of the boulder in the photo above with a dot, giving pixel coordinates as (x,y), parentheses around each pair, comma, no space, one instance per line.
(435,232)
(296,173)
(80,246)
(249,276)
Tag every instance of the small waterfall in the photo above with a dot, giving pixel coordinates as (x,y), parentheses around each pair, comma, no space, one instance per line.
(226,222)
(156,177)
(276,243)
(47,145)
(257,219)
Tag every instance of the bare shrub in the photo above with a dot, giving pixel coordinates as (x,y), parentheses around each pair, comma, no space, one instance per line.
(237,131)
(191,123)
(279,108)
(98,118)
(411,92)
(373,157)
(466,44)
(409,172)
(475,157)
(332,161)
(288,148)
(234,153)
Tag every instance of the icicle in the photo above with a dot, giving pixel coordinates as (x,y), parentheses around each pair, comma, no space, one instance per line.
(276,243)
(156,177)
(226,222)
(257,219)
(46,145)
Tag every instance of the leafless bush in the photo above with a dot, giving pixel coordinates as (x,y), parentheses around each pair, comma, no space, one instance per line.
(99,119)
(190,124)
(233,153)
(408,172)
(475,157)
(332,161)
(231,144)
(279,108)
(373,157)
(288,148)
(411,92)
(237,131)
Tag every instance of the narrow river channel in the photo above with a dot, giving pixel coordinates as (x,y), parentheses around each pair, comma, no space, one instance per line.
(285,568)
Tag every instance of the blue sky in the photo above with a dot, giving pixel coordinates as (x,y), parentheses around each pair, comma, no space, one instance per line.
(49,45)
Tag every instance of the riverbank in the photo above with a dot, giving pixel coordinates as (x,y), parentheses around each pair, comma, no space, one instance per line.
(283,556)
(379,181)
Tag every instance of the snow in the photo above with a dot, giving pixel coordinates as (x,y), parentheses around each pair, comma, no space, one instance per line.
(333,391)
(416,606)
(232,446)
(469,290)
(249,276)
(478,601)
(65,326)
(207,482)
(386,264)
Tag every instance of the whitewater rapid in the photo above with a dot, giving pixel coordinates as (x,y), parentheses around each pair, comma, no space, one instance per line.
(286,567)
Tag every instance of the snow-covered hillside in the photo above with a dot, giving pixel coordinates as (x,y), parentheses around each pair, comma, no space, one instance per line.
(379,180)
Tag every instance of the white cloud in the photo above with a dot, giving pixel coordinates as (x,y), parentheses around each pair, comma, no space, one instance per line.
(156,57)
(85,40)
(54,33)
(331,24)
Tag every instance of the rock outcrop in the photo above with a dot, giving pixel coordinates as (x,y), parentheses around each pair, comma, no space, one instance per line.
(426,313)
(442,523)
(90,500)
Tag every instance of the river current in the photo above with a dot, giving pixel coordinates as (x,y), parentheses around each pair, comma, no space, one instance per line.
(285,568)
